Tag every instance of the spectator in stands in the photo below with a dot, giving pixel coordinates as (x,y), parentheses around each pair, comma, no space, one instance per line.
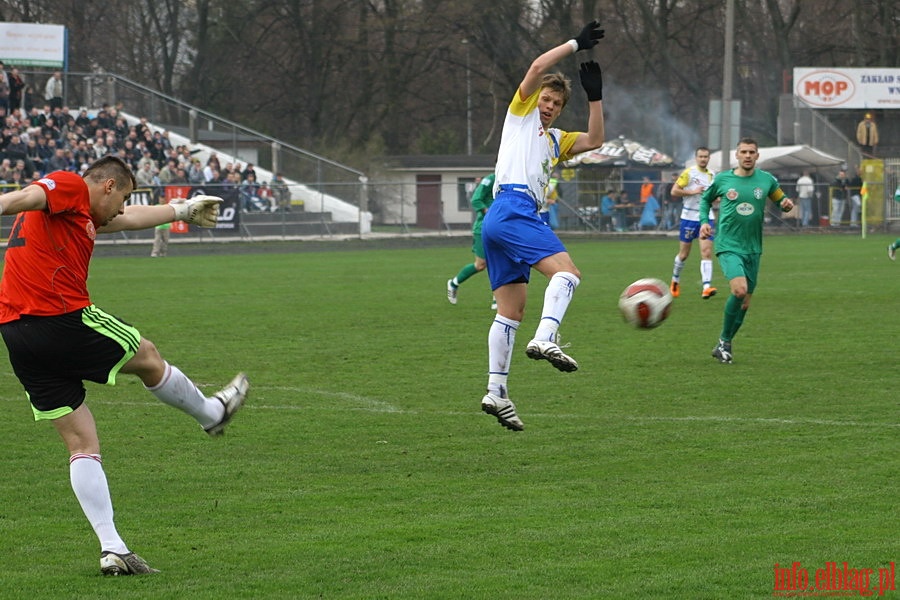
(211,174)
(145,177)
(44,151)
(17,177)
(111,141)
(195,172)
(53,90)
(121,129)
(58,161)
(143,128)
(130,154)
(83,119)
(158,152)
(33,154)
(211,163)
(167,172)
(69,141)
(103,118)
(281,192)
(6,170)
(145,159)
(267,197)
(66,124)
(34,117)
(24,173)
(82,153)
(100,149)
(247,171)
(4,88)
(28,98)
(16,148)
(16,88)
(50,128)
(249,193)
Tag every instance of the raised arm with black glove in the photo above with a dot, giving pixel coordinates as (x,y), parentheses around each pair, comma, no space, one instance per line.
(589,36)
(591,80)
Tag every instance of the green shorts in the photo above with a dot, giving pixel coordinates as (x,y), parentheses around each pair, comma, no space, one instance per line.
(477,245)
(740,265)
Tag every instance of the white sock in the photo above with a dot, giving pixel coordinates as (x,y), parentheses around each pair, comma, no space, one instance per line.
(501,338)
(676,269)
(91,489)
(556,302)
(706,272)
(177,390)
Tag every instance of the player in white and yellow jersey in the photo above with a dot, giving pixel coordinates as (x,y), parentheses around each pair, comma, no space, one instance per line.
(515,239)
(689,186)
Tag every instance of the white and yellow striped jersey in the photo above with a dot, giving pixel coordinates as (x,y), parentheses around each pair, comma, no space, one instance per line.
(694,177)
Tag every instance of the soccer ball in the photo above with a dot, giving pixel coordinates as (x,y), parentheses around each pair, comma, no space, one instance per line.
(645,303)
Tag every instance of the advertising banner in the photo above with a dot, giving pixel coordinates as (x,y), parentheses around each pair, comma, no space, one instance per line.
(869,88)
(33,45)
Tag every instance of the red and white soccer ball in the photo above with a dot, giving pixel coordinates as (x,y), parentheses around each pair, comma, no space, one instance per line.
(646,303)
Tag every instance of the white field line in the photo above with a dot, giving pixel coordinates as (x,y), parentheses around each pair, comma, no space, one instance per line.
(348,401)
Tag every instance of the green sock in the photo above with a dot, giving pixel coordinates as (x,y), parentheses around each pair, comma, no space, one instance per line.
(466,272)
(738,321)
(733,312)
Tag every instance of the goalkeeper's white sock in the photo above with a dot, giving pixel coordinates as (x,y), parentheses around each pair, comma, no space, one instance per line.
(556,302)
(177,390)
(676,268)
(501,338)
(91,489)
(706,270)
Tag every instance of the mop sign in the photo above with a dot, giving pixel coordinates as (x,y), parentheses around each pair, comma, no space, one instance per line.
(833,581)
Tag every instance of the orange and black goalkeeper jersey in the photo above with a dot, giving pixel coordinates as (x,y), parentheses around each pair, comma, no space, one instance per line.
(49,251)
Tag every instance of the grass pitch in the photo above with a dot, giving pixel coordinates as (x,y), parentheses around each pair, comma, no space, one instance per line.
(362,466)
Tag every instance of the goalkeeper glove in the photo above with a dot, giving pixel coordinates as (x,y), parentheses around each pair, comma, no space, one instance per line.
(199,210)
(591,80)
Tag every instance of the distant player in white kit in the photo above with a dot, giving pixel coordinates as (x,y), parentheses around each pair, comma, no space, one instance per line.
(689,186)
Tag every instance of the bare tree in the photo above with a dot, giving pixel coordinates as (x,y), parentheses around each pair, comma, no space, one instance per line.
(354,79)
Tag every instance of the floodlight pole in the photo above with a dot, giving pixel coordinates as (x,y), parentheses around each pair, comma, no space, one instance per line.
(465,43)
(726,85)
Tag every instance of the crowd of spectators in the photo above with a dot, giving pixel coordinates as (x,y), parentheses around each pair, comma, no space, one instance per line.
(47,139)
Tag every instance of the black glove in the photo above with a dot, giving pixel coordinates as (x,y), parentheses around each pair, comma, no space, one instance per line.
(591,80)
(589,36)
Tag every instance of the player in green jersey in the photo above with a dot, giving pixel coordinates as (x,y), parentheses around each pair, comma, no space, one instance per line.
(481,201)
(742,192)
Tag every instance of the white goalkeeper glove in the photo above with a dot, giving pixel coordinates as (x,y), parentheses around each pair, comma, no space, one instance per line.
(199,210)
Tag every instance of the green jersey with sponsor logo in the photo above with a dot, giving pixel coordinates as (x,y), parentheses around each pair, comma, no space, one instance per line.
(742,208)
